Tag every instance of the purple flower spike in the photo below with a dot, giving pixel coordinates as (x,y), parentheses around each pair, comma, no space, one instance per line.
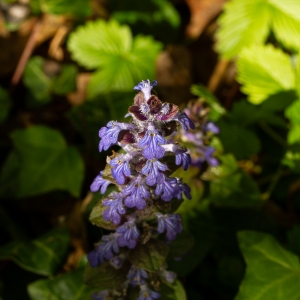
(129,234)
(147,294)
(117,261)
(169,223)
(208,156)
(115,203)
(100,295)
(145,86)
(137,194)
(98,183)
(166,186)
(185,121)
(182,188)
(151,169)
(120,168)
(183,158)
(137,276)
(152,141)
(211,127)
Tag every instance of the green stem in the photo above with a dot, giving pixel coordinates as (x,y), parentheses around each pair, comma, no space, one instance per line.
(275,179)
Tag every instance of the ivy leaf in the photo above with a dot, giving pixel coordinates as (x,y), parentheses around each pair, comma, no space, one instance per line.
(272,272)
(65,287)
(216,108)
(174,291)
(121,60)
(66,81)
(263,71)
(35,79)
(52,165)
(43,256)
(5,104)
(105,276)
(150,256)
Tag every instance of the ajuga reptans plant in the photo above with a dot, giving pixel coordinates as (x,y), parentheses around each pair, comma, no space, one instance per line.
(140,210)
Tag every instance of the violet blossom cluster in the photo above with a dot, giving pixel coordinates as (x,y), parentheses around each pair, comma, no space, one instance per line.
(198,141)
(142,174)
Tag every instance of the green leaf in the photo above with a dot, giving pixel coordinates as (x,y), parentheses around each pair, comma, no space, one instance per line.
(35,79)
(292,157)
(121,60)
(105,276)
(66,81)
(150,256)
(174,291)
(46,162)
(65,287)
(43,256)
(293,112)
(166,11)
(241,142)
(263,71)
(182,244)
(294,134)
(272,272)
(216,109)
(293,236)
(77,8)
(5,104)
(240,27)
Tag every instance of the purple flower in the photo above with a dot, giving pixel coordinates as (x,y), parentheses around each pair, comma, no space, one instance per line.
(152,141)
(182,188)
(211,127)
(115,203)
(137,276)
(117,261)
(208,156)
(169,276)
(185,121)
(129,234)
(137,194)
(169,223)
(151,169)
(147,294)
(145,86)
(184,158)
(104,250)
(166,186)
(98,183)
(120,168)
(100,295)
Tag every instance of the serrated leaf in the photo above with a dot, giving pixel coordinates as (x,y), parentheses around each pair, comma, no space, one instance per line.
(35,79)
(174,291)
(5,104)
(66,81)
(105,276)
(240,27)
(272,272)
(52,165)
(121,60)
(264,71)
(150,256)
(43,256)
(65,287)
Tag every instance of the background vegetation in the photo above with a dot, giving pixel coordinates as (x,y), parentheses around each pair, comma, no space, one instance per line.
(69,66)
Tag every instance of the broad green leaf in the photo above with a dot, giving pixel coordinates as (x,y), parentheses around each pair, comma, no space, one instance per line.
(293,113)
(44,255)
(174,291)
(5,104)
(294,134)
(122,61)
(77,8)
(166,12)
(241,142)
(149,256)
(216,109)
(66,81)
(181,245)
(240,26)
(64,287)
(264,71)
(105,276)
(272,272)
(35,79)
(46,162)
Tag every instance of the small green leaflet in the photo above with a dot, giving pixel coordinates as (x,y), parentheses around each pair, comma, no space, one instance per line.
(46,163)
(121,60)
(241,27)
(272,272)
(264,71)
